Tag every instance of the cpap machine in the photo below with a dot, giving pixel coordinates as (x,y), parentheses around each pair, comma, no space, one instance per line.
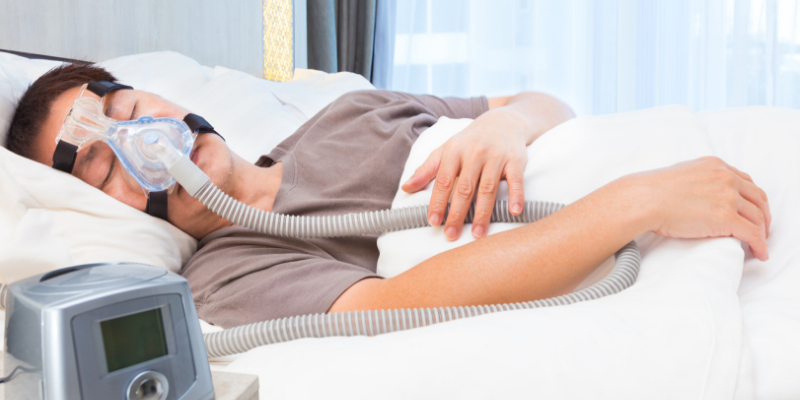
(129,331)
(104,331)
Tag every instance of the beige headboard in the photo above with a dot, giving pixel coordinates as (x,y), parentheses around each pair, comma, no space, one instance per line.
(213,32)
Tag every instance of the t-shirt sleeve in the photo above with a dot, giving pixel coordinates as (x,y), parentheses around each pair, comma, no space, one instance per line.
(453,107)
(243,284)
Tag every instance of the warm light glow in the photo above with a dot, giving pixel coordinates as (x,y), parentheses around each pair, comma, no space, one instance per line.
(278,40)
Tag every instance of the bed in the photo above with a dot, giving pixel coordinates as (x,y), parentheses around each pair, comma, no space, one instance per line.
(704,320)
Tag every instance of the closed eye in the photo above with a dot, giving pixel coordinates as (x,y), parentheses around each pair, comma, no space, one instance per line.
(133,111)
(110,172)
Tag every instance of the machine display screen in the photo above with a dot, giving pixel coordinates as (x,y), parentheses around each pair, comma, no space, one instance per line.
(133,339)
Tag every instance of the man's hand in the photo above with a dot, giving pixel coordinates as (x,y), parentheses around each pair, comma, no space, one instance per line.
(490,149)
(474,160)
(707,198)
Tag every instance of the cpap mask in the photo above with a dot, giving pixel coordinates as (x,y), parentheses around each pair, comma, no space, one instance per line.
(141,145)
(130,140)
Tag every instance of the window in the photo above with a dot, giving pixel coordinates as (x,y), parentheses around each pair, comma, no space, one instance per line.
(603,56)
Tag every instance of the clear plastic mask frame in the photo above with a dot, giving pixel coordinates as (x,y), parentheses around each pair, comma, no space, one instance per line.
(86,122)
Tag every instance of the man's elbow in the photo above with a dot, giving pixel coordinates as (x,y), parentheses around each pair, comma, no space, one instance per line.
(554,107)
(366,294)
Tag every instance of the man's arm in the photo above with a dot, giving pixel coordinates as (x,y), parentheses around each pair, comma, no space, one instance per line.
(491,148)
(535,261)
(539,260)
(538,112)
(694,199)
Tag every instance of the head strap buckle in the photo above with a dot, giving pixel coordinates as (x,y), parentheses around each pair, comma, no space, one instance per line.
(199,124)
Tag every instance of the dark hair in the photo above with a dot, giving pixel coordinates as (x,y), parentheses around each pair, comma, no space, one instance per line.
(34,106)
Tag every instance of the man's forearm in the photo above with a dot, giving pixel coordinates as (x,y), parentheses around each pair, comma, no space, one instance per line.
(539,260)
(531,112)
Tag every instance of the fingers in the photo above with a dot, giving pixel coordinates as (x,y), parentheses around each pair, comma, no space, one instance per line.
(467,164)
(514,174)
(442,187)
(751,213)
(754,194)
(753,206)
(487,194)
(743,175)
(758,198)
(462,199)
(753,234)
(425,173)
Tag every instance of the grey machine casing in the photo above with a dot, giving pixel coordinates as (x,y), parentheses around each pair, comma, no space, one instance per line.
(52,327)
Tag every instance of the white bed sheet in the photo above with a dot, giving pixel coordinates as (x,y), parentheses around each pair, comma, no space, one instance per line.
(680,332)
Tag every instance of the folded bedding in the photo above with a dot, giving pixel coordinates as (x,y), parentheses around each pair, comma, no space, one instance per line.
(704,320)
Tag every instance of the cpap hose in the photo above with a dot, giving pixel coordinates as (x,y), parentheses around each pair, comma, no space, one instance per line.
(360,323)
(370,323)
(348,224)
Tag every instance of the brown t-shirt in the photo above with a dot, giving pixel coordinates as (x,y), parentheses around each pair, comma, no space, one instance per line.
(347,158)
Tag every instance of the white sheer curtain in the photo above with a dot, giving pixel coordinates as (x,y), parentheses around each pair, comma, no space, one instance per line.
(603,56)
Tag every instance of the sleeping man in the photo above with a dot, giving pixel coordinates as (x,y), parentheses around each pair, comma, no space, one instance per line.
(349,158)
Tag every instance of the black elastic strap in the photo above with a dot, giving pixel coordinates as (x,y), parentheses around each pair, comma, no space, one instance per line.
(157,204)
(199,124)
(102,88)
(64,156)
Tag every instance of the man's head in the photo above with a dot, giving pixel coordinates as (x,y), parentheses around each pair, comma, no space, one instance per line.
(41,112)
(34,106)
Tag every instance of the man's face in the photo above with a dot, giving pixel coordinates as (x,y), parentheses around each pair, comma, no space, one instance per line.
(97,165)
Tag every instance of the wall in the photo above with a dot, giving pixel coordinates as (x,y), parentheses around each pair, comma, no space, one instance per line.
(213,32)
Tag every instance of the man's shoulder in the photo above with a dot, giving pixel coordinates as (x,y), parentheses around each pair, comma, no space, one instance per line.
(362,101)
(375,95)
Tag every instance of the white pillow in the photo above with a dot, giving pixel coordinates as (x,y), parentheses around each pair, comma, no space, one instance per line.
(16,74)
(764,142)
(255,115)
(50,220)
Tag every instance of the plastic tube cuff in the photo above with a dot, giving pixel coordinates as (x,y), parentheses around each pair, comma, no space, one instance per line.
(189,175)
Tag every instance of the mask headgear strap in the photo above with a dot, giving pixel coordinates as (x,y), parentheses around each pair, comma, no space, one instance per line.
(102,88)
(64,156)
(157,204)
(198,124)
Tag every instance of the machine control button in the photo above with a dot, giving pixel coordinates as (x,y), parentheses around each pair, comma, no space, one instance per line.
(148,385)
